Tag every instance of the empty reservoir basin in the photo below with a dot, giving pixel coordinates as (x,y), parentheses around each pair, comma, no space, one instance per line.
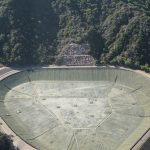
(76,108)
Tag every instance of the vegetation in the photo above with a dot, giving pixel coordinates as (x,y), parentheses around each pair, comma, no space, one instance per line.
(6,143)
(34,32)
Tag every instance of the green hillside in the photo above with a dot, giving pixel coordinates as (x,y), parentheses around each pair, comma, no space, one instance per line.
(35,31)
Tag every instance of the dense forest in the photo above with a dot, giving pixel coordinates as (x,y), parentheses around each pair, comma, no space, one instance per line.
(35,31)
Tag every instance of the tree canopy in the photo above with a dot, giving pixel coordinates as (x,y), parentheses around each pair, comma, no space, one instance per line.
(33,32)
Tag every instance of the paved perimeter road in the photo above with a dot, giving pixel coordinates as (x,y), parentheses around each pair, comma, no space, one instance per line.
(143,143)
(5,129)
(4,70)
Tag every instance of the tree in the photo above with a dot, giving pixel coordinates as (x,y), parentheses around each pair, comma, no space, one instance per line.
(6,143)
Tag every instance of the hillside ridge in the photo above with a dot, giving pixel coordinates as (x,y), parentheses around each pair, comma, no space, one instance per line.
(36,32)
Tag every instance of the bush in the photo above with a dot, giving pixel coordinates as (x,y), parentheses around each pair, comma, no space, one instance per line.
(6,143)
(146,67)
